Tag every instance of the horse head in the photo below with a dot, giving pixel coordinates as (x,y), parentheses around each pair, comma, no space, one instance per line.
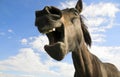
(64,28)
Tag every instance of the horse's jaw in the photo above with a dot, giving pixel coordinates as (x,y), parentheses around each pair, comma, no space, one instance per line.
(56,51)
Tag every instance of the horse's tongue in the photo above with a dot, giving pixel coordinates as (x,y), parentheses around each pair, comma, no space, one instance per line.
(56,51)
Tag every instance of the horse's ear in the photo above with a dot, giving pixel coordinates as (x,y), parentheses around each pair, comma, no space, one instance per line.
(79,6)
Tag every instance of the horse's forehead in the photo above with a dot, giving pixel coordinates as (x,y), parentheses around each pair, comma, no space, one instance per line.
(68,12)
(69,17)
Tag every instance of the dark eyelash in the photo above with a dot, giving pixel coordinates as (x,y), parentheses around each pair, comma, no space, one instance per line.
(76,13)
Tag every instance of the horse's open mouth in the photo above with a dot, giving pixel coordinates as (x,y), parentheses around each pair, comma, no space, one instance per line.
(56,47)
(55,35)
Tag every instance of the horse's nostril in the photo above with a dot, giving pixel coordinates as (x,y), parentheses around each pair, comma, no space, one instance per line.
(37,13)
(53,10)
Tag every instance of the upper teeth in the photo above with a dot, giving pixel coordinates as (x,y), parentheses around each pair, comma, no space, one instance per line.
(52,30)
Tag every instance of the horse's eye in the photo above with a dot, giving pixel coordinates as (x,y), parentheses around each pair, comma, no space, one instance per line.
(76,13)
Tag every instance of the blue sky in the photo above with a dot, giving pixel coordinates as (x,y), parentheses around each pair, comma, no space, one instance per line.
(21,45)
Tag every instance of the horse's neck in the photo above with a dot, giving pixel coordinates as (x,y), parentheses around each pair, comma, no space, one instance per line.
(82,60)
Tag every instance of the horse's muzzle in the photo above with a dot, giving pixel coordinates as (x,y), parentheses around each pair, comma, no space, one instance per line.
(48,18)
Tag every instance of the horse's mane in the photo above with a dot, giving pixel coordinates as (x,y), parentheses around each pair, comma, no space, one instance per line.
(86,33)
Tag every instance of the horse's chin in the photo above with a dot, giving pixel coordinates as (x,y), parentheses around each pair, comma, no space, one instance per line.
(57,51)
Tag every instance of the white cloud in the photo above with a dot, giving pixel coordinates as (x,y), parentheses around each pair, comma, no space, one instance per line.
(2,33)
(101,9)
(26,61)
(98,38)
(100,18)
(39,42)
(10,30)
(12,75)
(98,14)
(24,41)
(29,62)
(108,54)
(6,75)
(68,4)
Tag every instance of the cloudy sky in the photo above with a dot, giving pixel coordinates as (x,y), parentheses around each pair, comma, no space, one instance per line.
(21,45)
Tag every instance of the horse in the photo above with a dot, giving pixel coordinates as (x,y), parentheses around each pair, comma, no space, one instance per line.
(67,32)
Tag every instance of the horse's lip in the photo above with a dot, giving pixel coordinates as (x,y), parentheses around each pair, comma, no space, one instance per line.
(56,51)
